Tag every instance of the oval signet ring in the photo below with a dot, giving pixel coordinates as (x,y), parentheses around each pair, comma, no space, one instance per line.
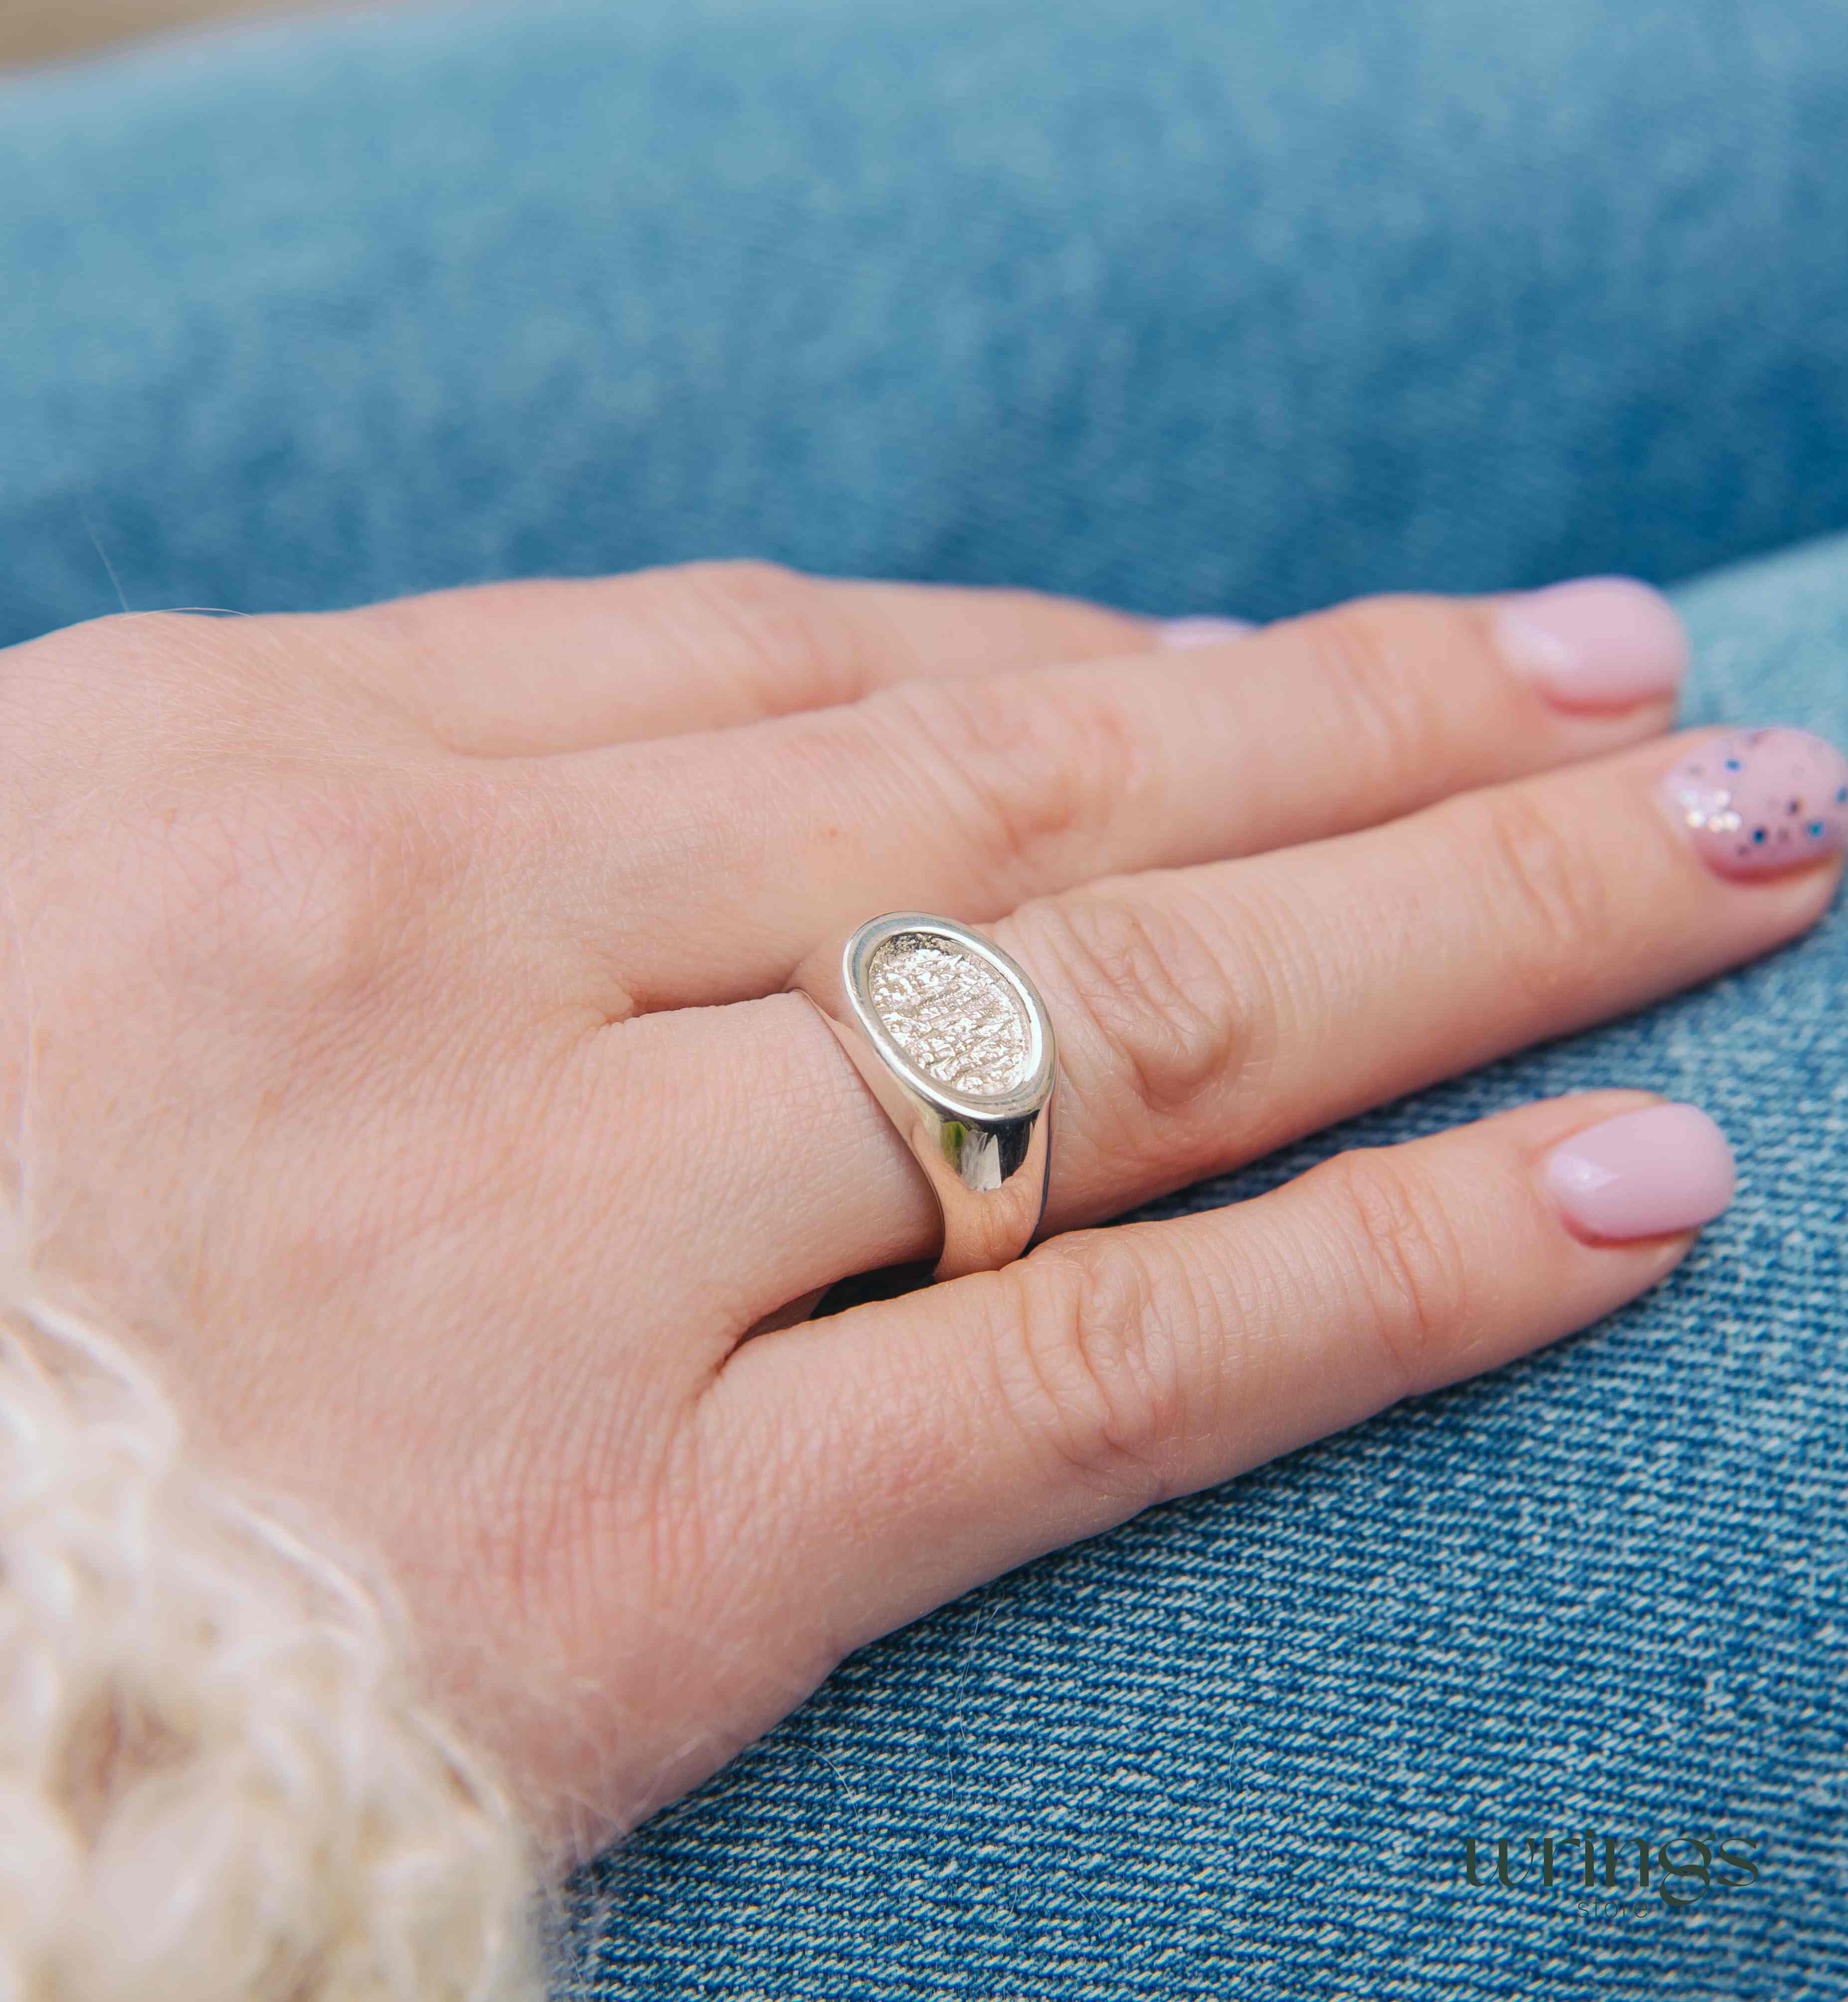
(955,1044)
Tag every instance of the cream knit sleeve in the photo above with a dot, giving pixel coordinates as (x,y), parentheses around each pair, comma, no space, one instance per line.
(217,1782)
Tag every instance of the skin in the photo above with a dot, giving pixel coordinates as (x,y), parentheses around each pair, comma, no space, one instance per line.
(393,1032)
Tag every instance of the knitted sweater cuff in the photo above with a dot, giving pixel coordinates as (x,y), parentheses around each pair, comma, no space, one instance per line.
(217,1781)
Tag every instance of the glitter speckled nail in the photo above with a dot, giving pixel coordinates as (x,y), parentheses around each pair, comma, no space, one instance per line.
(1758,800)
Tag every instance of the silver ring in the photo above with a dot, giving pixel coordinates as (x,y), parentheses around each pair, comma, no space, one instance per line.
(957,1048)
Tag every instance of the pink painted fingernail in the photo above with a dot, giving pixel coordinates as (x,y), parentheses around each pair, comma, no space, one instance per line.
(1201,632)
(1598,643)
(1667,1167)
(1756,801)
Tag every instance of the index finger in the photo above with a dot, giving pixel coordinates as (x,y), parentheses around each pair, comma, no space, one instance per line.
(945,1436)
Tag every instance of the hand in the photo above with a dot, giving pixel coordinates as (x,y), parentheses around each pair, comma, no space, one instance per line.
(391,1022)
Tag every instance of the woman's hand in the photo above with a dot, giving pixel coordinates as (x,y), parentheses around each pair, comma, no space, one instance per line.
(393,1030)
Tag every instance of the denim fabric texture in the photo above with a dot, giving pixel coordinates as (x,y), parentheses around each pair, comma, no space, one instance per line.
(1194,309)
(1190,307)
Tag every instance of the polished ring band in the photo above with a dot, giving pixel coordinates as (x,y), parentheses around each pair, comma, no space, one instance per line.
(957,1046)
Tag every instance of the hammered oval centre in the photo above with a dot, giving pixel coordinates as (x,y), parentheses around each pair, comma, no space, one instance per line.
(957,1021)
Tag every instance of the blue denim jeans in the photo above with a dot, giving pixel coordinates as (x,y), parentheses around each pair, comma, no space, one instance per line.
(1194,308)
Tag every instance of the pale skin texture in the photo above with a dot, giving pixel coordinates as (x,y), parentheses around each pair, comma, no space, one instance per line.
(394,1035)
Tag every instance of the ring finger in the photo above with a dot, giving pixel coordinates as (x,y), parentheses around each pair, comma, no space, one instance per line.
(973,795)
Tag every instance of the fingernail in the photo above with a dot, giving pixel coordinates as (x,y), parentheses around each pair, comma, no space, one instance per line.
(1201,632)
(1667,1167)
(1756,801)
(1598,643)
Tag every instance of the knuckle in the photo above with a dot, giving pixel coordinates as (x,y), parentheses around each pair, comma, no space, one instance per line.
(126,679)
(1158,1007)
(1412,1274)
(1548,899)
(320,896)
(1095,1328)
(1038,768)
(1371,661)
(788,635)
(150,636)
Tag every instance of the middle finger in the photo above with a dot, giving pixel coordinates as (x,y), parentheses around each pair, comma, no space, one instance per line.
(1206,1015)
